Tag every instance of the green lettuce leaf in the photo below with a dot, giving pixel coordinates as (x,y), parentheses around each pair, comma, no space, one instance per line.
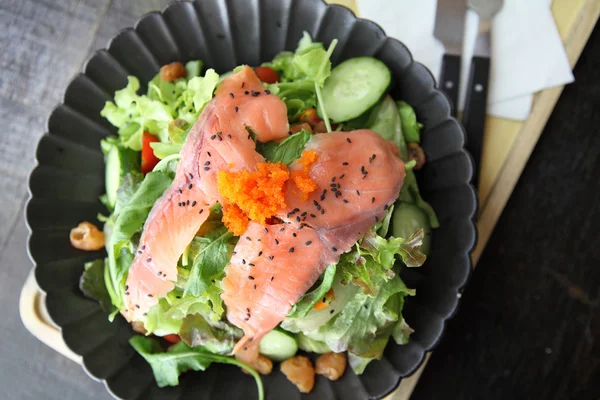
(287,151)
(308,301)
(385,121)
(356,328)
(217,337)
(167,366)
(92,284)
(162,150)
(184,99)
(410,127)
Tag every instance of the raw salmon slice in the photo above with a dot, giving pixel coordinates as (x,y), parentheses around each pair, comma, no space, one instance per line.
(272,267)
(218,140)
(358,175)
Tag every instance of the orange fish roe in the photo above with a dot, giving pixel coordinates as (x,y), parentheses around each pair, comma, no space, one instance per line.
(256,195)
(235,219)
(301,178)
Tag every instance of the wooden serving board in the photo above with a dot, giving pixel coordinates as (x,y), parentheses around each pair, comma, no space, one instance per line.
(507,147)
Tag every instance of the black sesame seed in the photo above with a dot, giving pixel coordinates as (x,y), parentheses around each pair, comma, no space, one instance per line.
(231,95)
(139,252)
(276,241)
(191,176)
(179,204)
(324,300)
(271,258)
(201,211)
(254,287)
(207,168)
(334,249)
(137,306)
(308,243)
(187,203)
(344,163)
(243,83)
(208,152)
(297,219)
(303,214)
(373,200)
(149,295)
(322,197)
(180,191)
(248,238)
(250,277)
(145,314)
(159,273)
(346,201)
(281,229)
(246,92)
(322,211)
(294,234)
(315,203)
(357,192)
(342,176)
(348,140)
(290,133)
(243,261)
(228,136)
(331,312)
(234,253)
(254,94)
(291,250)
(250,264)
(267,91)
(246,319)
(206,163)
(376,218)
(248,315)
(126,287)
(333,179)
(260,253)
(301,227)
(213,137)
(272,278)
(220,138)
(194,203)
(266,230)
(148,259)
(313,216)
(247,309)
(236,108)
(385,207)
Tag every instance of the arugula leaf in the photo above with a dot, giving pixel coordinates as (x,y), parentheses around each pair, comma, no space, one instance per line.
(287,151)
(308,301)
(167,366)
(92,284)
(217,337)
(213,252)
(410,127)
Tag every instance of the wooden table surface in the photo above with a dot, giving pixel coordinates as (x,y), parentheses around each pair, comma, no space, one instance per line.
(529,324)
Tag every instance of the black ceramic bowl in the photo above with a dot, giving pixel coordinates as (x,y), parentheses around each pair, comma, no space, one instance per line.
(69,177)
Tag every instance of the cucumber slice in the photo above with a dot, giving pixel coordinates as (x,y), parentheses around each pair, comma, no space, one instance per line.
(407,219)
(119,162)
(354,86)
(278,346)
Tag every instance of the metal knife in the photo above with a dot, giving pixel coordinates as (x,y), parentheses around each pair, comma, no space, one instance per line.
(477,89)
(449,28)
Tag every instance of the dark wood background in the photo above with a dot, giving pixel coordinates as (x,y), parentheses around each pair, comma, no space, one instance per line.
(529,323)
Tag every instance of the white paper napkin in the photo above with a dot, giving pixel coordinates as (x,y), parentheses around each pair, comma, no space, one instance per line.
(527,52)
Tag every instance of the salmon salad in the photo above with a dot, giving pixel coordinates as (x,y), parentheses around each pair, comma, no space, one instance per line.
(260,217)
